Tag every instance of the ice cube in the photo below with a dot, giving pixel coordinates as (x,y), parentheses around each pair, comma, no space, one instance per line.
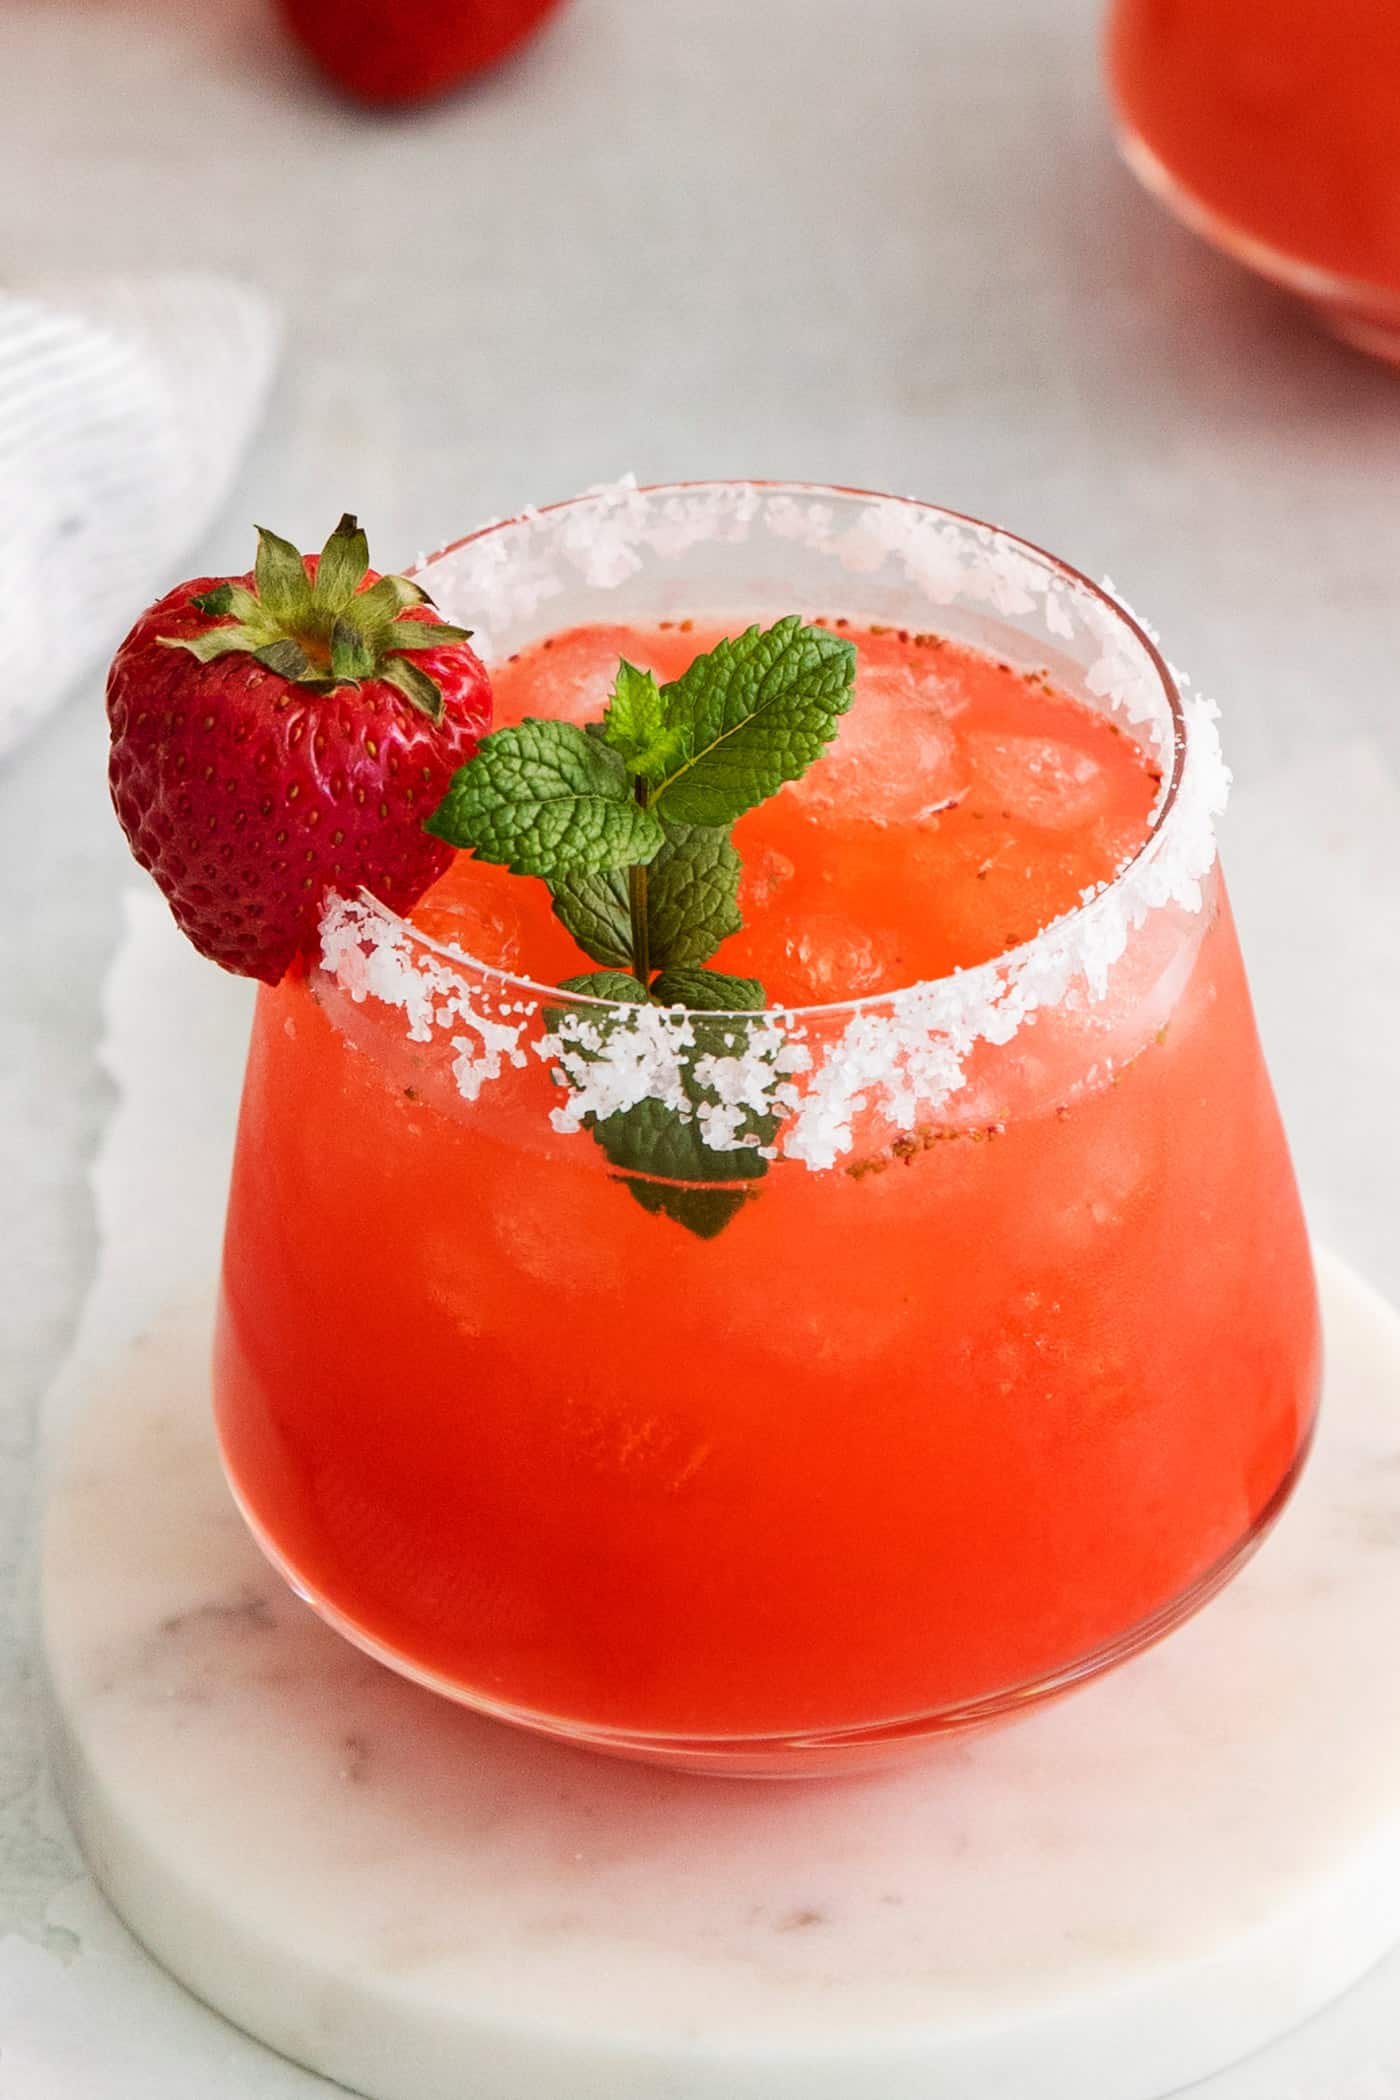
(1116,1168)
(831,957)
(1039,779)
(570,677)
(895,759)
(482,920)
(765,872)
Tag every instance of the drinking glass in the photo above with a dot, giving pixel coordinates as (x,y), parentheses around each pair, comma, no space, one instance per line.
(977,1351)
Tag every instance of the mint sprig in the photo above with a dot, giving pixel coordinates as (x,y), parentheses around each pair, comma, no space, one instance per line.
(628,822)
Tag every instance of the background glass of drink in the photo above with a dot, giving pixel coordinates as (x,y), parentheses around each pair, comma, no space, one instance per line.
(1273,128)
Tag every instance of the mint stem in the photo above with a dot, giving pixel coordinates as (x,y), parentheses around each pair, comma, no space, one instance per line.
(637,902)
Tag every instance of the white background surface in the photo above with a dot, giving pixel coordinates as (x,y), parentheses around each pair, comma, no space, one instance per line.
(883,243)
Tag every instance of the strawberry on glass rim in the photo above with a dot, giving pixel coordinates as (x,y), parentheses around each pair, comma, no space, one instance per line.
(283,734)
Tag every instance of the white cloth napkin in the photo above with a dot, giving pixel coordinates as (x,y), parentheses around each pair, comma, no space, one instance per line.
(126,405)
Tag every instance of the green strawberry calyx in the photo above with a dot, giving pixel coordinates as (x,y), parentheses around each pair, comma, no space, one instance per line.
(325,631)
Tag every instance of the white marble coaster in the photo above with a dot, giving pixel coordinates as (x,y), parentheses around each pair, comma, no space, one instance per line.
(1113,1898)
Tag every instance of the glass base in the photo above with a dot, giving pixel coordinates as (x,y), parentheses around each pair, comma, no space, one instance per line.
(808,1755)
(1364,315)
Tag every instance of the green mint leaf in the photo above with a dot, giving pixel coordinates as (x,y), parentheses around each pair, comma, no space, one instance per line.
(692,895)
(633,715)
(692,902)
(664,1160)
(753,713)
(708,991)
(543,798)
(283,586)
(595,909)
(666,1145)
(635,725)
(703,1212)
(342,567)
(607,984)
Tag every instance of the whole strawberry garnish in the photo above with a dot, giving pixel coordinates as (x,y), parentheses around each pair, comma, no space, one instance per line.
(281,735)
(398,51)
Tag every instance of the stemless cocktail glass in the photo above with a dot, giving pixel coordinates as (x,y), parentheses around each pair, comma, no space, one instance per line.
(1272,127)
(997,1369)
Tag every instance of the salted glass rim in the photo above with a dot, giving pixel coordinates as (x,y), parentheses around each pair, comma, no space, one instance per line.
(968,979)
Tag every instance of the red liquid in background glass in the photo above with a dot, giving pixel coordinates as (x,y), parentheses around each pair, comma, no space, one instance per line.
(1280,116)
(908,1434)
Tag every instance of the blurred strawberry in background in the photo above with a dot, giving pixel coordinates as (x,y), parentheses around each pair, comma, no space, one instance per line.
(404,51)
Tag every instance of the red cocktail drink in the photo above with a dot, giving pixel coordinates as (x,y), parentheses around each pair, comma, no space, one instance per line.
(979,1345)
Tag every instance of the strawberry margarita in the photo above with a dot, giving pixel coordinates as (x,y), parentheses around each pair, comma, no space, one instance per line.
(971,1343)
(1274,126)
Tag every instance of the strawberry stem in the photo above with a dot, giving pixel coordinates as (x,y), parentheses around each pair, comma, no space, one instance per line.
(333,630)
